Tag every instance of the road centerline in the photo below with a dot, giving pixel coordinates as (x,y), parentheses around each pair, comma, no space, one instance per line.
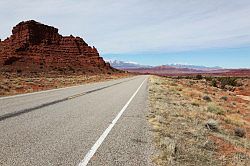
(100,140)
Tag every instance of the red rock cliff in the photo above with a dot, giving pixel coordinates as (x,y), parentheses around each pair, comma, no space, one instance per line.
(35,47)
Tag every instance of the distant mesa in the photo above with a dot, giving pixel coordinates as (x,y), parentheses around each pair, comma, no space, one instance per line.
(35,47)
(178,69)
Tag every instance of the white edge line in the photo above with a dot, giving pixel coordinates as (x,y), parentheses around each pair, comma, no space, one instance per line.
(98,143)
(51,90)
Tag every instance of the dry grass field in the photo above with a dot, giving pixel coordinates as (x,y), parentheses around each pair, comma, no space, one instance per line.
(200,121)
(11,84)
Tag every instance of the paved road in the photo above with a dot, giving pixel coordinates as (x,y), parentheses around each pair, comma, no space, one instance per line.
(94,124)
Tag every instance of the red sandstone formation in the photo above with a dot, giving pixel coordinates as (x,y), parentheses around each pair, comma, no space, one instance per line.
(35,47)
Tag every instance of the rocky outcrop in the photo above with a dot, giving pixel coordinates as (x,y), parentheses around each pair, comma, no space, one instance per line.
(35,47)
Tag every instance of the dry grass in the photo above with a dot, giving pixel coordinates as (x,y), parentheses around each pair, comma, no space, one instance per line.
(11,84)
(179,115)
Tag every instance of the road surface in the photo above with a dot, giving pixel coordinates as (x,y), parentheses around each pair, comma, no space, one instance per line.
(95,124)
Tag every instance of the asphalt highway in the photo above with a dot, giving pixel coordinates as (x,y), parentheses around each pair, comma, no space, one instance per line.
(94,124)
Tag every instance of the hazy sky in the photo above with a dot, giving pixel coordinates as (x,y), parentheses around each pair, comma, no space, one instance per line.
(204,32)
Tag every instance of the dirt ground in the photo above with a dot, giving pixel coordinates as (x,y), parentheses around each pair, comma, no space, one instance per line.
(198,124)
(12,84)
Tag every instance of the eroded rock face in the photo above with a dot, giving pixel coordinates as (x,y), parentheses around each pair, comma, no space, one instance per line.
(35,47)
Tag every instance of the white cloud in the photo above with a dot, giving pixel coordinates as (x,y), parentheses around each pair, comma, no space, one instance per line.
(138,25)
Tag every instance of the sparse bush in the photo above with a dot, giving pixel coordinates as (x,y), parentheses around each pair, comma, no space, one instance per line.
(231,81)
(191,83)
(19,71)
(240,132)
(216,110)
(199,77)
(195,104)
(207,98)
(214,83)
(212,124)
(240,84)
(234,120)
(208,78)
(224,98)
(223,82)
(179,88)
(188,77)
(173,84)
(178,77)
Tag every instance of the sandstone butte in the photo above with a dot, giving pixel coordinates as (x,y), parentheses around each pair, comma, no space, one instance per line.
(34,47)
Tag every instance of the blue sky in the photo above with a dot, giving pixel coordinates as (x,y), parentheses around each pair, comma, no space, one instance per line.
(201,32)
(223,57)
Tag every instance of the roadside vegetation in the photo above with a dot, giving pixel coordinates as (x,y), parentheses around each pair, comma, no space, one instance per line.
(198,123)
(11,84)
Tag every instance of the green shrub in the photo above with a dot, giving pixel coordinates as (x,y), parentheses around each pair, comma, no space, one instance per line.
(195,104)
(215,109)
(209,78)
(214,83)
(199,77)
(231,81)
(224,98)
(188,77)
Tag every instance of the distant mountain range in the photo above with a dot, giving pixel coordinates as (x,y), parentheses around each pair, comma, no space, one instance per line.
(133,65)
(194,67)
(177,69)
(126,65)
